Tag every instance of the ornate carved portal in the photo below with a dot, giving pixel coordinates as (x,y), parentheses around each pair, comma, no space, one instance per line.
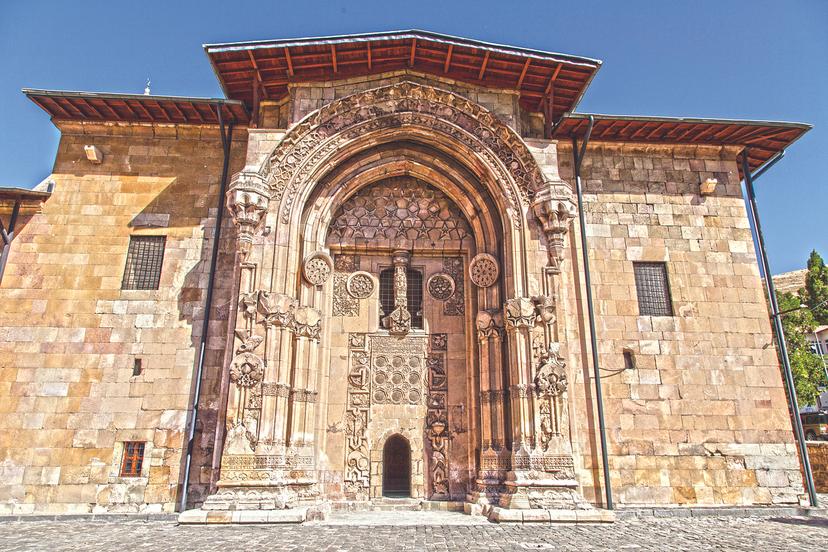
(317,381)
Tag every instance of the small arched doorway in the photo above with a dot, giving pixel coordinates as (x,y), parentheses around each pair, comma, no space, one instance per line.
(396,467)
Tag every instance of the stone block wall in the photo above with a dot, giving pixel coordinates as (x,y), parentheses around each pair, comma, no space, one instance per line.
(818,455)
(70,334)
(702,417)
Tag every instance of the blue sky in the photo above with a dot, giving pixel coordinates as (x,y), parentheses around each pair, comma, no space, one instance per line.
(747,59)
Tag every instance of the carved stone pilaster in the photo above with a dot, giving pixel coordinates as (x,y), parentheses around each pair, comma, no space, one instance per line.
(247,200)
(399,321)
(277,309)
(554,208)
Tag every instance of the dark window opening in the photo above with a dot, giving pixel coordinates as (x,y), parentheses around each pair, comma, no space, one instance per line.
(133,459)
(653,289)
(137,367)
(396,467)
(629,360)
(144,259)
(414,295)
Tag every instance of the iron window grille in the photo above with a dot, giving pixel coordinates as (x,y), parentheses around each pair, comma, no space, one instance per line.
(414,295)
(653,289)
(133,459)
(144,259)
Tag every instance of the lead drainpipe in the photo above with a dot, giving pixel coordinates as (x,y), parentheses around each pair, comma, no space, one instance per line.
(776,317)
(226,139)
(599,396)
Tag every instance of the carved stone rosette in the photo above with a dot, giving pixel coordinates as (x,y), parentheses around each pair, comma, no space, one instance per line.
(317,268)
(484,270)
(247,200)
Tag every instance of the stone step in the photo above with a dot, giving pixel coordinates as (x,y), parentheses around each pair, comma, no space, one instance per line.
(396,505)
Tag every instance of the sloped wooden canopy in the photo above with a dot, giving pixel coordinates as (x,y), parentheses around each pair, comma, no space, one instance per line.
(763,138)
(91,106)
(260,70)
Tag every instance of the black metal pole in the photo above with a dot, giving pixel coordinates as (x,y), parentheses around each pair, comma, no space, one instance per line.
(777,325)
(226,139)
(599,396)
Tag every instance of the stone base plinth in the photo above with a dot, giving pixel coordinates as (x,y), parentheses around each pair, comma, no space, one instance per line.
(498,514)
(290,515)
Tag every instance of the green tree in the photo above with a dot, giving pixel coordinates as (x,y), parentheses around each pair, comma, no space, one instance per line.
(807,368)
(816,288)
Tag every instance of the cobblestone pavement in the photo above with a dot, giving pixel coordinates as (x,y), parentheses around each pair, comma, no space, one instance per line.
(403,534)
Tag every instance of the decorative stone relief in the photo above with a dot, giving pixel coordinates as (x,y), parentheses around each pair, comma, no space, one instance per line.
(440,286)
(550,385)
(396,379)
(439,342)
(346,263)
(399,321)
(357,461)
(249,342)
(246,370)
(520,313)
(343,303)
(277,308)
(397,208)
(456,304)
(554,208)
(310,143)
(484,270)
(546,306)
(489,324)
(247,201)
(317,268)
(307,322)
(360,285)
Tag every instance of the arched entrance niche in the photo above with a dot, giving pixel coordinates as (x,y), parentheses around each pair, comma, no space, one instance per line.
(396,467)
(298,281)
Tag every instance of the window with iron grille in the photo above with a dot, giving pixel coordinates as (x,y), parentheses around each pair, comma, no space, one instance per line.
(414,295)
(653,289)
(144,259)
(133,459)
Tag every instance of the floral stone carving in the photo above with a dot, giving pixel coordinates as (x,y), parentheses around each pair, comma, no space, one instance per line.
(520,313)
(484,270)
(440,286)
(247,200)
(317,268)
(360,285)
(246,370)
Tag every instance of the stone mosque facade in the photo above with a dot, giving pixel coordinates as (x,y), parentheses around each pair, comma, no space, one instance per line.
(380,235)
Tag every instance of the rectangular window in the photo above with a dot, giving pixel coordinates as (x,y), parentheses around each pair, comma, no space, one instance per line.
(133,459)
(653,289)
(144,259)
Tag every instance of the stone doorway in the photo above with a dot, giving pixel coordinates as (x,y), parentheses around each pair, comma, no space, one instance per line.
(396,468)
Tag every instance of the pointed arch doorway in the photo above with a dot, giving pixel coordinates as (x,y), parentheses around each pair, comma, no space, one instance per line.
(396,468)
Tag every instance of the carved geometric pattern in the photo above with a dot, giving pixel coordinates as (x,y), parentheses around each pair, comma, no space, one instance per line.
(344,304)
(357,463)
(456,304)
(483,270)
(440,286)
(246,370)
(398,207)
(396,379)
(437,422)
(360,285)
(317,268)
(346,263)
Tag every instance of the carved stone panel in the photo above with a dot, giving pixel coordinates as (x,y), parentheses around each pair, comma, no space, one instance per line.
(344,304)
(456,304)
(317,268)
(440,286)
(360,285)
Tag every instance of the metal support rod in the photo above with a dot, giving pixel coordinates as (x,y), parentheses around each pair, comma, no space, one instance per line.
(8,236)
(226,139)
(599,396)
(776,318)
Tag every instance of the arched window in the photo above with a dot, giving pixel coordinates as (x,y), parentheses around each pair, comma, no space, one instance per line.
(414,295)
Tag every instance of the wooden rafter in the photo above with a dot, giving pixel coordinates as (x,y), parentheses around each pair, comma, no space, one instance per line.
(369,55)
(413,52)
(483,67)
(551,82)
(447,64)
(55,103)
(178,111)
(289,62)
(197,112)
(333,58)
(523,72)
(163,111)
(91,107)
(146,113)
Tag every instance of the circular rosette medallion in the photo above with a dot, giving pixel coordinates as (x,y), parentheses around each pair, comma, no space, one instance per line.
(484,270)
(317,268)
(246,370)
(441,286)
(360,285)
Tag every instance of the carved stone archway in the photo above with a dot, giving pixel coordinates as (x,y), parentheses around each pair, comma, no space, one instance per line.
(285,277)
